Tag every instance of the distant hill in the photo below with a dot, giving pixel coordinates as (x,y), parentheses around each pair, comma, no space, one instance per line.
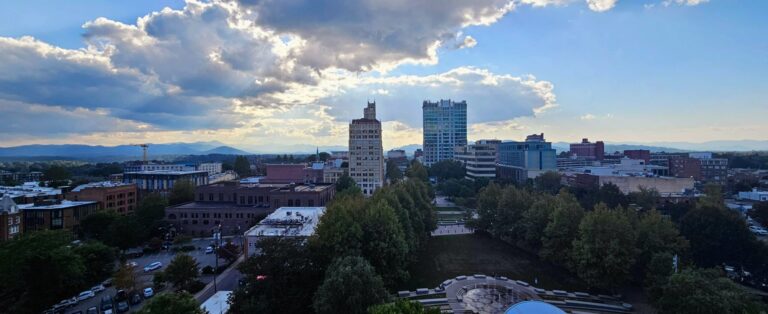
(409,149)
(90,152)
(225,150)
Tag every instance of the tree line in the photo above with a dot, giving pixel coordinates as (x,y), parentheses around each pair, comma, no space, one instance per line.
(611,245)
(361,248)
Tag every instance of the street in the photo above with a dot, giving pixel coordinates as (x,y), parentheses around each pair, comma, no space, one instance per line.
(226,281)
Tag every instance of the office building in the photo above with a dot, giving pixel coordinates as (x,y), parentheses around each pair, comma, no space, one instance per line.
(30,192)
(445,128)
(754,195)
(642,154)
(587,150)
(525,160)
(713,170)
(162,181)
(684,167)
(398,157)
(56,214)
(479,159)
(293,222)
(366,155)
(119,197)
(237,206)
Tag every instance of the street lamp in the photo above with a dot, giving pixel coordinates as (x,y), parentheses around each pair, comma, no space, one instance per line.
(217,238)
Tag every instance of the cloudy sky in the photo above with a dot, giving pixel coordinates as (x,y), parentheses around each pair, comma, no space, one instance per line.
(259,73)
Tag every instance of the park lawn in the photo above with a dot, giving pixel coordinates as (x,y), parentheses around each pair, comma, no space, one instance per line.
(452,217)
(449,209)
(446,257)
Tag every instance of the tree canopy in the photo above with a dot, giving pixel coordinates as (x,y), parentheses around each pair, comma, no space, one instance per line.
(242,166)
(351,285)
(182,271)
(183,191)
(447,169)
(172,303)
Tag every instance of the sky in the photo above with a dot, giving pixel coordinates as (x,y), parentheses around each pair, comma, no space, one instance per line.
(265,74)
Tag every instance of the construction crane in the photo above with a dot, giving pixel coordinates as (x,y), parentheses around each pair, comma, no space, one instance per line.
(144,147)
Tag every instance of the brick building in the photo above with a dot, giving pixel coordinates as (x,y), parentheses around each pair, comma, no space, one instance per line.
(120,197)
(56,214)
(237,207)
(587,150)
(642,154)
(10,219)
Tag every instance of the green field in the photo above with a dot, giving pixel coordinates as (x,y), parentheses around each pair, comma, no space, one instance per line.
(449,209)
(450,256)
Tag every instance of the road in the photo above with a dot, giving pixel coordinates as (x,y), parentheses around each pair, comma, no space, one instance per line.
(145,279)
(226,281)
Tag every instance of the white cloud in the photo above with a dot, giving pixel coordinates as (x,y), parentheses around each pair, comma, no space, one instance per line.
(590,116)
(683,2)
(601,5)
(468,42)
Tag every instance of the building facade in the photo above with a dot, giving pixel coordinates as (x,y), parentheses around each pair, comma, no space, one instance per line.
(30,192)
(445,128)
(120,197)
(162,181)
(236,207)
(587,150)
(643,154)
(479,159)
(10,219)
(535,156)
(366,154)
(56,214)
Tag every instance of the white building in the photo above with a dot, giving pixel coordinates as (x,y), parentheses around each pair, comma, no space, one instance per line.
(754,195)
(211,167)
(479,159)
(218,303)
(445,128)
(297,222)
(366,155)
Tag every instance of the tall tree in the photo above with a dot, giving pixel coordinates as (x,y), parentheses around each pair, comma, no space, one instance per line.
(345,182)
(97,225)
(417,171)
(657,234)
(56,173)
(351,285)
(447,169)
(340,232)
(98,259)
(704,292)
(242,166)
(645,198)
(611,195)
(562,229)
(182,271)
(717,235)
(384,243)
(548,182)
(605,250)
(229,251)
(536,218)
(393,172)
(183,191)
(172,303)
(487,206)
(124,278)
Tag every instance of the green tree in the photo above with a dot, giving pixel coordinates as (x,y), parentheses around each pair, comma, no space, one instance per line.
(172,303)
(759,212)
(39,269)
(605,250)
(183,191)
(182,271)
(447,169)
(536,218)
(512,204)
(657,234)
(56,173)
(548,182)
(351,285)
(611,195)
(402,306)
(417,171)
(98,259)
(393,172)
(657,273)
(645,198)
(704,291)
(289,278)
(124,278)
(158,279)
(97,225)
(345,182)
(561,230)
(125,232)
(151,209)
(242,166)
(713,196)
(717,235)
(340,232)
(384,243)
(229,251)
(487,207)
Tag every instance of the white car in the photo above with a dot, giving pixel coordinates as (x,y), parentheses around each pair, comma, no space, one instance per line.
(148,292)
(97,288)
(85,295)
(153,266)
(209,250)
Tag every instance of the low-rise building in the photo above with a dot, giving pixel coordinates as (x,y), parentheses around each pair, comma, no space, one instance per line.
(10,219)
(30,192)
(754,195)
(56,214)
(295,222)
(120,197)
(236,206)
(293,173)
(664,185)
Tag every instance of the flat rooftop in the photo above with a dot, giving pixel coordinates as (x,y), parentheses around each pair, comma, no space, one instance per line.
(62,205)
(167,172)
(102,184)
(29,190)
(288,222)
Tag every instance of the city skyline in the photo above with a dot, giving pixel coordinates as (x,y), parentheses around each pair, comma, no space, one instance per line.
(637,72)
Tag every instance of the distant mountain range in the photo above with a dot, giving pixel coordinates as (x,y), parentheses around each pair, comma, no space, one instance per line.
(128,152)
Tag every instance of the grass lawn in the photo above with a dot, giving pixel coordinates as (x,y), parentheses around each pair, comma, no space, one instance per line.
(449,216)
(449,209)
(450,256)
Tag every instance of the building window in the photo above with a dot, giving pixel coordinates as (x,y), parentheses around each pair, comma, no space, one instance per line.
(210,196)
(200,197)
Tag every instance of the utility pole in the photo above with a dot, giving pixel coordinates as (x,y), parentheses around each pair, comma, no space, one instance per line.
(217,238)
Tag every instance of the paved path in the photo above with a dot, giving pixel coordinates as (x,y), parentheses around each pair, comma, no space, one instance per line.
(446,230)
(226,281)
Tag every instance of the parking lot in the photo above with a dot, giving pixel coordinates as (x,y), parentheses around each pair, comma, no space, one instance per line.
(145,279)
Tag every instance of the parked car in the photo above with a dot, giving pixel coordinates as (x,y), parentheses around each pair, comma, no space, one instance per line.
(131,264)
(209,250)
(121,295)
(107,283)
(135,298)
(72,301)
(85,295)
(106,303)
(97,288)
(122,307)
(153,266)
(77,312)
(107,312)
(92,310)
(148,292)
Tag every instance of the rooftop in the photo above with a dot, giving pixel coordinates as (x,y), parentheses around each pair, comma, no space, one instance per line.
(102,184)
(288,222)
(58,205)
(28,189)
(167,172)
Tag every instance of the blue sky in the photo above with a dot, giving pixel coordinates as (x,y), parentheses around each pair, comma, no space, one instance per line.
(641,71)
